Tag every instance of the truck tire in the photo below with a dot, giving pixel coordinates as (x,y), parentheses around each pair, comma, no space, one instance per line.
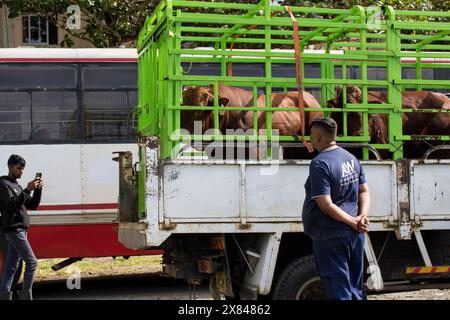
(299,281)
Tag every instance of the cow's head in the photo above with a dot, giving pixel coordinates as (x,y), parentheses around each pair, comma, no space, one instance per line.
(353,96)
(354,119)
(201,97)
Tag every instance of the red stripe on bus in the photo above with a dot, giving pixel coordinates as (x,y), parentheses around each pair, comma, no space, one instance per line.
(434,269)
(88,206)
(82,240)
(417,269)
(68,60)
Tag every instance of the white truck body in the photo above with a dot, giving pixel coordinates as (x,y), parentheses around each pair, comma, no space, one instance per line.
(261,197)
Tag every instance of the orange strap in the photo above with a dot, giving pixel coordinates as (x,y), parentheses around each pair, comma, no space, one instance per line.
(230,64)
(298,62)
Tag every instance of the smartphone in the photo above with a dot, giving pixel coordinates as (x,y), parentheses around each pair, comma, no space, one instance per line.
(38,175)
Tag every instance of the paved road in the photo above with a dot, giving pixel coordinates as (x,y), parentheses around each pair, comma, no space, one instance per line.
(154,287)
(120,287)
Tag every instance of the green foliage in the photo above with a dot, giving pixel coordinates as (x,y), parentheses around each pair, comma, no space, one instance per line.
(105,23)
(111,23)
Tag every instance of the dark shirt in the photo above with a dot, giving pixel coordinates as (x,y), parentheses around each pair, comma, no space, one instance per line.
(336,173)
(14,202)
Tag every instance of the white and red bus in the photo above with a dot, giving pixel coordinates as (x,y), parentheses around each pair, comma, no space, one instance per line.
(66,111)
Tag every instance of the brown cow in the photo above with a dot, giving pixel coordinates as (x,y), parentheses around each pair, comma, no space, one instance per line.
(354,119)
(420,123)
(288,123)
(414,123)
(201,96)
(229,119)
(424,123)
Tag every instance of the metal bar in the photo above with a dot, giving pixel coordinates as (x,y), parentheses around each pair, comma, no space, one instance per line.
(249,53)
(250,14)
(433,149)
(423,13)
(313,10)
(376,280)
(438,36)
(421,25)
(235,19)
(242,195)
(213,5)
(394,76)
(320,30)
(268,74)
(422,248)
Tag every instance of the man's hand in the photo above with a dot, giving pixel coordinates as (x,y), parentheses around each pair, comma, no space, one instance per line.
(363,224)
(40,183)
(32,185)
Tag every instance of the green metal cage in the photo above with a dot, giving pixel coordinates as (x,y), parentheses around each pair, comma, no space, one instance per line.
(225,32)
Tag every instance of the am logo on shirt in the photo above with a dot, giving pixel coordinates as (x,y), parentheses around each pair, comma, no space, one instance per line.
(348,168)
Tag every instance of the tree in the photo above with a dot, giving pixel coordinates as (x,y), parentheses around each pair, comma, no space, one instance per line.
(105,23)
(111,23)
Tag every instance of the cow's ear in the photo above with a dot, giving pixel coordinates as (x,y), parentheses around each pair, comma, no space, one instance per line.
(205,98)
(331,103)
(338,90)
(223,101)
(354,92)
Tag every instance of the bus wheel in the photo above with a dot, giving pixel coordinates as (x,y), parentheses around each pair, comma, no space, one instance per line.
(299,281)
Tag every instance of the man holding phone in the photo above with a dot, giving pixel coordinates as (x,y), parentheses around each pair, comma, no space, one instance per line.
(14,202)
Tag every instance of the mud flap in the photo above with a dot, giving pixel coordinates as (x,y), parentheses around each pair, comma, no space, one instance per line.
(375,281)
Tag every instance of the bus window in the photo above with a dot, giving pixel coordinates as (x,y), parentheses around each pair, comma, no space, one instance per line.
(410,73)
(201,69)
(442,74)
(37,77)
(248,70)
(427,74)
(15,121)
(373,73)
(287,70)
(132,102)
(109,77)
(107,116)
(55,116)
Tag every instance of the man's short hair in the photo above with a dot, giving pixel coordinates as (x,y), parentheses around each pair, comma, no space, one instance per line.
(328,125)
(15,159)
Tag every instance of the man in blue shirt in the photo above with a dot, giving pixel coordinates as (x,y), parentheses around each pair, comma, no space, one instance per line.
(335,213)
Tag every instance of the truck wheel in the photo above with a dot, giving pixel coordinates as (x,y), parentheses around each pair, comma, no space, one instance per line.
(299,281)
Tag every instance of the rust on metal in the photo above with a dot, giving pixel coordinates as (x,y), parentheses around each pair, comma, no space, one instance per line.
(217,242)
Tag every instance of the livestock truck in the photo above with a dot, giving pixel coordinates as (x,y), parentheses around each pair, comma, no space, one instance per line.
(236,222)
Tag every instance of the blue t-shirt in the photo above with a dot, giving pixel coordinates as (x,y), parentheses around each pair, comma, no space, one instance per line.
(336,173)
